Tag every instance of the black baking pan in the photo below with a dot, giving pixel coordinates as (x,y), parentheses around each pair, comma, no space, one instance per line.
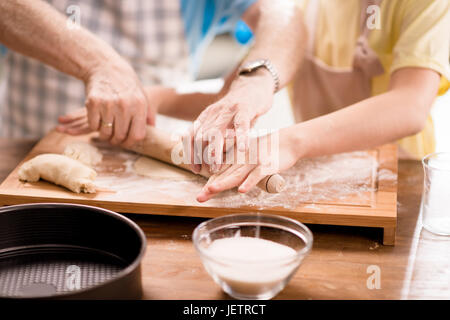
(69,251)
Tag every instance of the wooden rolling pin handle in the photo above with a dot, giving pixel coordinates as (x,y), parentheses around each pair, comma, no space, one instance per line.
(272,184)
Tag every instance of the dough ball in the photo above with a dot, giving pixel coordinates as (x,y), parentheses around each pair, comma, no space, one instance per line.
(83,152)
(159,170)
(60,170)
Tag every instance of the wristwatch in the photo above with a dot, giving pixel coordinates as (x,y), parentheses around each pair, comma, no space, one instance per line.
(262,63)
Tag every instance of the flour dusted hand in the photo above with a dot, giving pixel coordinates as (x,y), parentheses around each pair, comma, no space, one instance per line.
(60,170)
(83,152)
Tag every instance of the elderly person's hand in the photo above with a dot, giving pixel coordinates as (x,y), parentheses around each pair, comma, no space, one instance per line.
(116,104)
(76,122)
(247,98)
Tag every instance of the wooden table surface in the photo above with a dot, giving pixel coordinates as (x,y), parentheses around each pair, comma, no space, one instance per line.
(342,259)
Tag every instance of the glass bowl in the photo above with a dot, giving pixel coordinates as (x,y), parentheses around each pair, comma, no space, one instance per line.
(252,256)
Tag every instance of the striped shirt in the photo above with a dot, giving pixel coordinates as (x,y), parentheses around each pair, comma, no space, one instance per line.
(155,36)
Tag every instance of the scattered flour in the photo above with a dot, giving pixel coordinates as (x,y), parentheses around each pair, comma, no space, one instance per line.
(347,178)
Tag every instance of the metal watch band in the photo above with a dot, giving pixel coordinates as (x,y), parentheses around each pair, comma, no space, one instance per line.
(264,63)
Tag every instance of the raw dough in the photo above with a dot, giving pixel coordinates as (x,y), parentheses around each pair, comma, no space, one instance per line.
(60,170)
(156,169)
(84,152)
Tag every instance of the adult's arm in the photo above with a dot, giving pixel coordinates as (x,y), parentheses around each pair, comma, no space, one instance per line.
(280,37)
(113,91)
(280,42)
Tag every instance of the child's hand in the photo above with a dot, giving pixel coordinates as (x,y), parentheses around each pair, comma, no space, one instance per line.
(281,154)
(74,123)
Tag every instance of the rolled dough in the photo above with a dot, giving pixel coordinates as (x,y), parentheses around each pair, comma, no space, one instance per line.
(149,167)
(60,170)
(83,152)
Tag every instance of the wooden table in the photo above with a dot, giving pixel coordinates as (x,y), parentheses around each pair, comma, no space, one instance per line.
(339,266)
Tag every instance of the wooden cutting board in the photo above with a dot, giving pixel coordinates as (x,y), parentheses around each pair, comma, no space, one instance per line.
(354,189)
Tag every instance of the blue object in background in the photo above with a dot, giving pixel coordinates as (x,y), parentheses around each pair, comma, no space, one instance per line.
(243,33)
(205,19)
(2,50)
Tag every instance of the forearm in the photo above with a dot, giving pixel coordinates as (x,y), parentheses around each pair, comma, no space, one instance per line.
(35,29)
(400,112)
(280,36)
(369,123)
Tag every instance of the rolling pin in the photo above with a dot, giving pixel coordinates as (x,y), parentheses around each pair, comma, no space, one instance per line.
(157,144)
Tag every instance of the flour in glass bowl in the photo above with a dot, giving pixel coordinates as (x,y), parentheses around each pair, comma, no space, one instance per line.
(250,265)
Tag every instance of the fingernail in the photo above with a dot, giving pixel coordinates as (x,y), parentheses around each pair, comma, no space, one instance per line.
(201,197)
(241,146)
(212,188)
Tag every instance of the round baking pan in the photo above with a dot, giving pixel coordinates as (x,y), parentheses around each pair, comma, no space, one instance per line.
(69,251)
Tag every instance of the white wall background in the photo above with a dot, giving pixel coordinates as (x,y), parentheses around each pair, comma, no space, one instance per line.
(441,118)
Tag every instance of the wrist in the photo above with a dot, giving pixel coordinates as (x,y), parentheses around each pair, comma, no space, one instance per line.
(296,141)
(261,77)
(162,99)
(106,64)
(267,66)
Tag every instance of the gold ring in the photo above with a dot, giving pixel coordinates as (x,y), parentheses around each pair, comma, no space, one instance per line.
(107,124)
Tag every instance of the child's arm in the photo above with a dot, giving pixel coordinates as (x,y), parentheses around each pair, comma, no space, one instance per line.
(400,112)
(185,106)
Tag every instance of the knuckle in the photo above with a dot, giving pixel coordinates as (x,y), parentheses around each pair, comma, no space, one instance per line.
(92,102)
(89,102)
(135,135)
(241,117)
(121,105)
(233,107)
(104,104)
(141,100)
(120,136)
(118,101)
(138,135)
(215,108)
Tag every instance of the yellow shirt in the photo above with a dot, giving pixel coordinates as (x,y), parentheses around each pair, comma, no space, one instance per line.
(412,33)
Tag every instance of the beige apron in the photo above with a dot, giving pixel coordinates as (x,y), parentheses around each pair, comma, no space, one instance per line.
(319,89)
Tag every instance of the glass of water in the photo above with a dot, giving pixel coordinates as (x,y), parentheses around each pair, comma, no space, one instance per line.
(435,207)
